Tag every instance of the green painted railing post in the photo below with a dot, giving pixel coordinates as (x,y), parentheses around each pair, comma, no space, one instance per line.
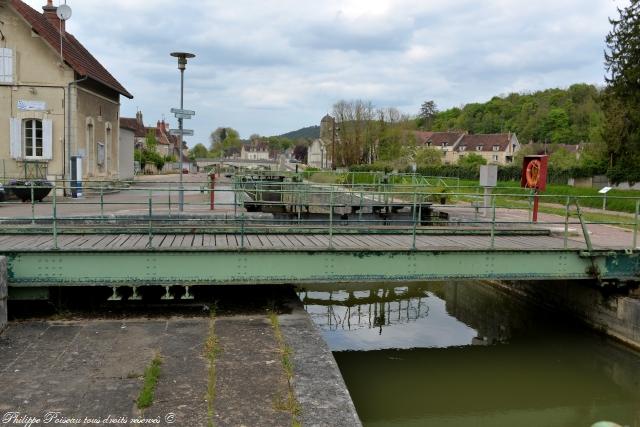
(331,219)
(235,203)
(360,210)
(415,218)
(585,231)
(531,207)
(493,222)
(149,245)
(635,226)
(566,223)
(169,201)
(33,205)
(242,231)
(101,202)
(55,218)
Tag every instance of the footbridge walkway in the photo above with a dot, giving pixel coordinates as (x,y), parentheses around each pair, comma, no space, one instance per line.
(119,246)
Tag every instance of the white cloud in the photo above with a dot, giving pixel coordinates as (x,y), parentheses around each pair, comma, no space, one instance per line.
(271,66)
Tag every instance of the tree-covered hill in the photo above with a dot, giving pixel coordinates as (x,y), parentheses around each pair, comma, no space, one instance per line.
(566,116)
(310,132)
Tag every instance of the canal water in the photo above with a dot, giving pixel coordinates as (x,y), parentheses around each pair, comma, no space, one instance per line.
(467,354)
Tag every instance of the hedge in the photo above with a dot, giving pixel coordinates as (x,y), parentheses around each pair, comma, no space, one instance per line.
(505,173)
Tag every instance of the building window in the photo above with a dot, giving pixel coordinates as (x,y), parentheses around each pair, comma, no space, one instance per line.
(496,148)
(6,65)
(32,139)
(479,147)
(445,144)
(495,157)
(463,148)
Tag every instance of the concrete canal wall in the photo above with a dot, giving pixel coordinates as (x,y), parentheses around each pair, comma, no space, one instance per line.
(617,316)
(3,292)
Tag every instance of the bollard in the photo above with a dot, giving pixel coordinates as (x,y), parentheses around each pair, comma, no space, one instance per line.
(212,193)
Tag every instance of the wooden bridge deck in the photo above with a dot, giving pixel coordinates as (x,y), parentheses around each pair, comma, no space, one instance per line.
(281,242)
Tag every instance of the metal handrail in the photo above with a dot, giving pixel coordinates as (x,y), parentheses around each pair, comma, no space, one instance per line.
(300,195)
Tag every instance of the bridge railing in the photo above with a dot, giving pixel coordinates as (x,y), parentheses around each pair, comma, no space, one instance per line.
(257,207)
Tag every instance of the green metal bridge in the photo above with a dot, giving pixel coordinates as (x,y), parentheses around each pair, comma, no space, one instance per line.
(229,246)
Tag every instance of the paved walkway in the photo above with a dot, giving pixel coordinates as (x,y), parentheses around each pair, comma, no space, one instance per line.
(94,368)
(134,200)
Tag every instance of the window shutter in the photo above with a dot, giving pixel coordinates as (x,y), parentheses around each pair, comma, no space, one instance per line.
(6,65)
(15,138)
(47,139)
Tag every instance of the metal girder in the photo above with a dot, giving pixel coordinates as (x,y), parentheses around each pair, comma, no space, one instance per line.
(141,268)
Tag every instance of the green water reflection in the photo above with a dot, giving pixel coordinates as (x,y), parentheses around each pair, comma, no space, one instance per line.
(465,354)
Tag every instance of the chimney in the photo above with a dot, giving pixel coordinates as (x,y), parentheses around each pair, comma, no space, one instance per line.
(50,14)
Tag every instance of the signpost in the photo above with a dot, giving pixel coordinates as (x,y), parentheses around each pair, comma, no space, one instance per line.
(604,192)
(181,114)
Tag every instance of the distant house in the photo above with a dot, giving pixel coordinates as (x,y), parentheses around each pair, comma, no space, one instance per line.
(443,140)
(125,152)
(317,155)
(256,150)
(59,101)
(498,148)
(136,125)
(168,145)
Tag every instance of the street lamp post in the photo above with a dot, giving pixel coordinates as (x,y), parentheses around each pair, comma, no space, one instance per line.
(182,64)
(333,144)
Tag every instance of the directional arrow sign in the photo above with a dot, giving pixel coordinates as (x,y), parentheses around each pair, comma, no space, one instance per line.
(187,112)
(187,132)
(182,116)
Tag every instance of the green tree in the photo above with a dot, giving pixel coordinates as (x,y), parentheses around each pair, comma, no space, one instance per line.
(199,151)
(428,113)
(622,100)
(225,142)
(426,156)
(472,160)
(562,159)
(151,142)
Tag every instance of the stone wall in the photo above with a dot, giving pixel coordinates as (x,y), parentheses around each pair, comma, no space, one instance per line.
(617,316)
(3,293)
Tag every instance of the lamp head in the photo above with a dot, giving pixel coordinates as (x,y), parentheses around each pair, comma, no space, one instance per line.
(182,58)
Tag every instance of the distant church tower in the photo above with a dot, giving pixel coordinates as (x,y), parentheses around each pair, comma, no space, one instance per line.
(326,129)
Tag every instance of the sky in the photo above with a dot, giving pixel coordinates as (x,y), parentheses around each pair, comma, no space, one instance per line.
(273,66)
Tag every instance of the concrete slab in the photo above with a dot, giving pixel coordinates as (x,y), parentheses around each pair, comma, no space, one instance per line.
(250,380)
(318,384)
(3,292)
(94,368)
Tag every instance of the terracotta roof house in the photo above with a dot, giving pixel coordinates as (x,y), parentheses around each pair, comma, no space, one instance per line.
(444,140)
(65,104)
(496,148)
(168,145)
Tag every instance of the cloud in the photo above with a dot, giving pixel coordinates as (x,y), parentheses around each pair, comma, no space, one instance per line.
(271,66)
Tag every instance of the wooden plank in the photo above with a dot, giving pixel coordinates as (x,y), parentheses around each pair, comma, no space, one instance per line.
(108,238)
(252,241)
(73,243)
(303,242)
(284,242)
(157,240)
(168,241)
(90,241)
